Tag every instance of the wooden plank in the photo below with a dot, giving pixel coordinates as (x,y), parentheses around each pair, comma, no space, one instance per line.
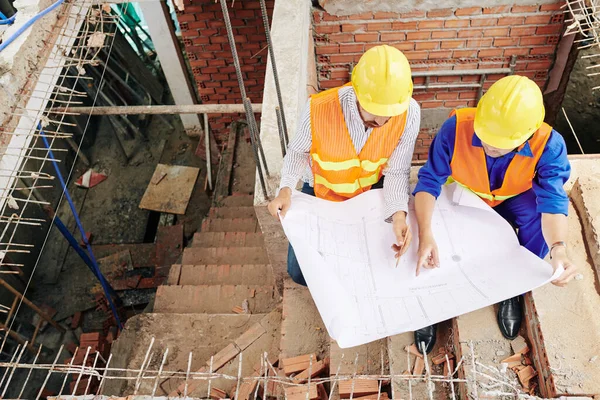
(250,336)
(226,166)
(173,193)
(224,356)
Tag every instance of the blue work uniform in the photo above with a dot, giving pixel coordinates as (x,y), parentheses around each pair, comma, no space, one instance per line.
(523,211)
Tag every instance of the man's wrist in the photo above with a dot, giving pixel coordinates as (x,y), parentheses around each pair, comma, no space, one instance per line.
(424,232)
(285,191)
(558,249)
(399,215)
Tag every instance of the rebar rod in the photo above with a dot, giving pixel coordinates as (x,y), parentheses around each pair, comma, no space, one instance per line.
(257,138)
(265,17)
(280,130)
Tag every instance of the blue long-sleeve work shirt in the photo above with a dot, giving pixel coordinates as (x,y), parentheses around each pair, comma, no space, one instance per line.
(552,171)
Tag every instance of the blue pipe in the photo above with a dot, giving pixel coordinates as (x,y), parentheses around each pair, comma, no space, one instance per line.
(27,24)
(98,273)
(2,15)
(8,21)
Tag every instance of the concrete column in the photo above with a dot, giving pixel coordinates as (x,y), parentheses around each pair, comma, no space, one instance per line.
(170,55)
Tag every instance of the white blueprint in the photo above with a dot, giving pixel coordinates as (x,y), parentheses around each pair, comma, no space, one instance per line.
(345,256)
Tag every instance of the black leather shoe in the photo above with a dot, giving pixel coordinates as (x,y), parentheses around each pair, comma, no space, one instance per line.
(426,335)
(510,316)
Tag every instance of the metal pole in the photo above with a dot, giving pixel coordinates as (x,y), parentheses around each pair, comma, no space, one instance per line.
(207,150)
(256,134)
(265,16)
(247,106)
(153,109)
(35,308)
(280,129)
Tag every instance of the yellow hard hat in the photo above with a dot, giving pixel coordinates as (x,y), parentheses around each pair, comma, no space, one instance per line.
(510,112)
(382,81)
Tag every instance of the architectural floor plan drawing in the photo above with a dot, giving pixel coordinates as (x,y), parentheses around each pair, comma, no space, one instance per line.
(344,250)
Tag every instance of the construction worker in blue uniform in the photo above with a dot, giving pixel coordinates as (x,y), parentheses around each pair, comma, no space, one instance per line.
(503,152)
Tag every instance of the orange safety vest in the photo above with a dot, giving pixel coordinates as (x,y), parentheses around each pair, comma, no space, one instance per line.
(469,164)
(339,172)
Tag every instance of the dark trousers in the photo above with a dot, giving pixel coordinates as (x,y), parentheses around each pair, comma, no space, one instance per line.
(293,267)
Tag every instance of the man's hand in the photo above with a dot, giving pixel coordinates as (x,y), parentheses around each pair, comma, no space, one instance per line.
(281,203)
(427,253)
(560,259)
(402,232)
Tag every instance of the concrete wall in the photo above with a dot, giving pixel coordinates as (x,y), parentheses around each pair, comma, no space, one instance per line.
(349,7)
(444,39)
(209,54)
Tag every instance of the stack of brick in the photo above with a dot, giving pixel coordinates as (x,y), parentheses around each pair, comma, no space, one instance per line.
(444,39)
(209,54)
(99,351)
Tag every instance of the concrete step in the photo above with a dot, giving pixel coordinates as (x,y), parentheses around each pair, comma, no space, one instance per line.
(216,299)
(224,255)
(225,274)
(238,200)
(301,319)
(202,334)
(563,323)
(228,239)
(230,225)
(232,212)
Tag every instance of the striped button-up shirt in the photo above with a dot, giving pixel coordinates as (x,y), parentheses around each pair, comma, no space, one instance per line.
(296,164)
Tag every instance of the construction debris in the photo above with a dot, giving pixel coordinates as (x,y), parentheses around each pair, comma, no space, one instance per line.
(90,179)
(298,364)
(359,387)
(313,371)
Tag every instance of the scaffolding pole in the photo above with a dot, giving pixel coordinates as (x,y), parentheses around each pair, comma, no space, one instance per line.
(156,110)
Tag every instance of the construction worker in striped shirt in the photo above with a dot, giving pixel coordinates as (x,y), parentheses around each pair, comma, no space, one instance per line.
(503,152)
(350,136)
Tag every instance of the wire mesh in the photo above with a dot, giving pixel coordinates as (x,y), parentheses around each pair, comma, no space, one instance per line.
(584,22)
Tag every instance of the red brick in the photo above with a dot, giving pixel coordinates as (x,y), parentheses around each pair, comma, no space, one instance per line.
(541,65)
(552,7)
(471,65)
(245,14)
(76,320)
(427,45)
(418,35)
(510,21)
(379,26)
(341,38)
(484,22)
(506,42)
(413,14)
(457,23)
(464,54)
(431,24)
(386,15)
(432,104)
(328,17)
(331,83)
(502,32)
(369,46)
(417,55)
(352,48)
(404,46)
(327,28)
(523,31)
(446,96)
(453,44)
(331,49)
(467,11)
(443,12)
(470,33)
(496,10)
(392,36)
(186,18)
(401,26)
(538,20)
(454,104)
(549,29)
(352,27)
(445,34)
(341,58)
(524,9)
(367,37)
(434,55)
(532,41)
(339,74)
(422,96)
(543,50)
(201,40)
(468,95)
(366,15)
(491,53)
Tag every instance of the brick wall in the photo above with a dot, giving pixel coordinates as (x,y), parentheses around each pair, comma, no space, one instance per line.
(464,38)
(205,41)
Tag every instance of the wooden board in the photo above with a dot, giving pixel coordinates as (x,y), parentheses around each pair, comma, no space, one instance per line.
(172,193)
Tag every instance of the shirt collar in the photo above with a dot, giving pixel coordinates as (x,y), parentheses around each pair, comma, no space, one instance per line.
(523,150)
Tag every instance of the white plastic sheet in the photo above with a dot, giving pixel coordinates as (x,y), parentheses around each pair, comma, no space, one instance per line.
(344,253)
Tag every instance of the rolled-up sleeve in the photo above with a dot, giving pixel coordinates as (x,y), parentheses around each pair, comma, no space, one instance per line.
(553,171)
(396,187)
(437,169)
(297,156)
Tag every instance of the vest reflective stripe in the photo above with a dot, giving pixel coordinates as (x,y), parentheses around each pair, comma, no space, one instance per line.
(469,167)
(347,188)
(340,173)
(485,196)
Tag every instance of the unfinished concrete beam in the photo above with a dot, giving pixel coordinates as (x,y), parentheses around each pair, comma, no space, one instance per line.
(564,327)
(585,198)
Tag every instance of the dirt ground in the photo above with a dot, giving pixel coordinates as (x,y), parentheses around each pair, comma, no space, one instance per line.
(582,105)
